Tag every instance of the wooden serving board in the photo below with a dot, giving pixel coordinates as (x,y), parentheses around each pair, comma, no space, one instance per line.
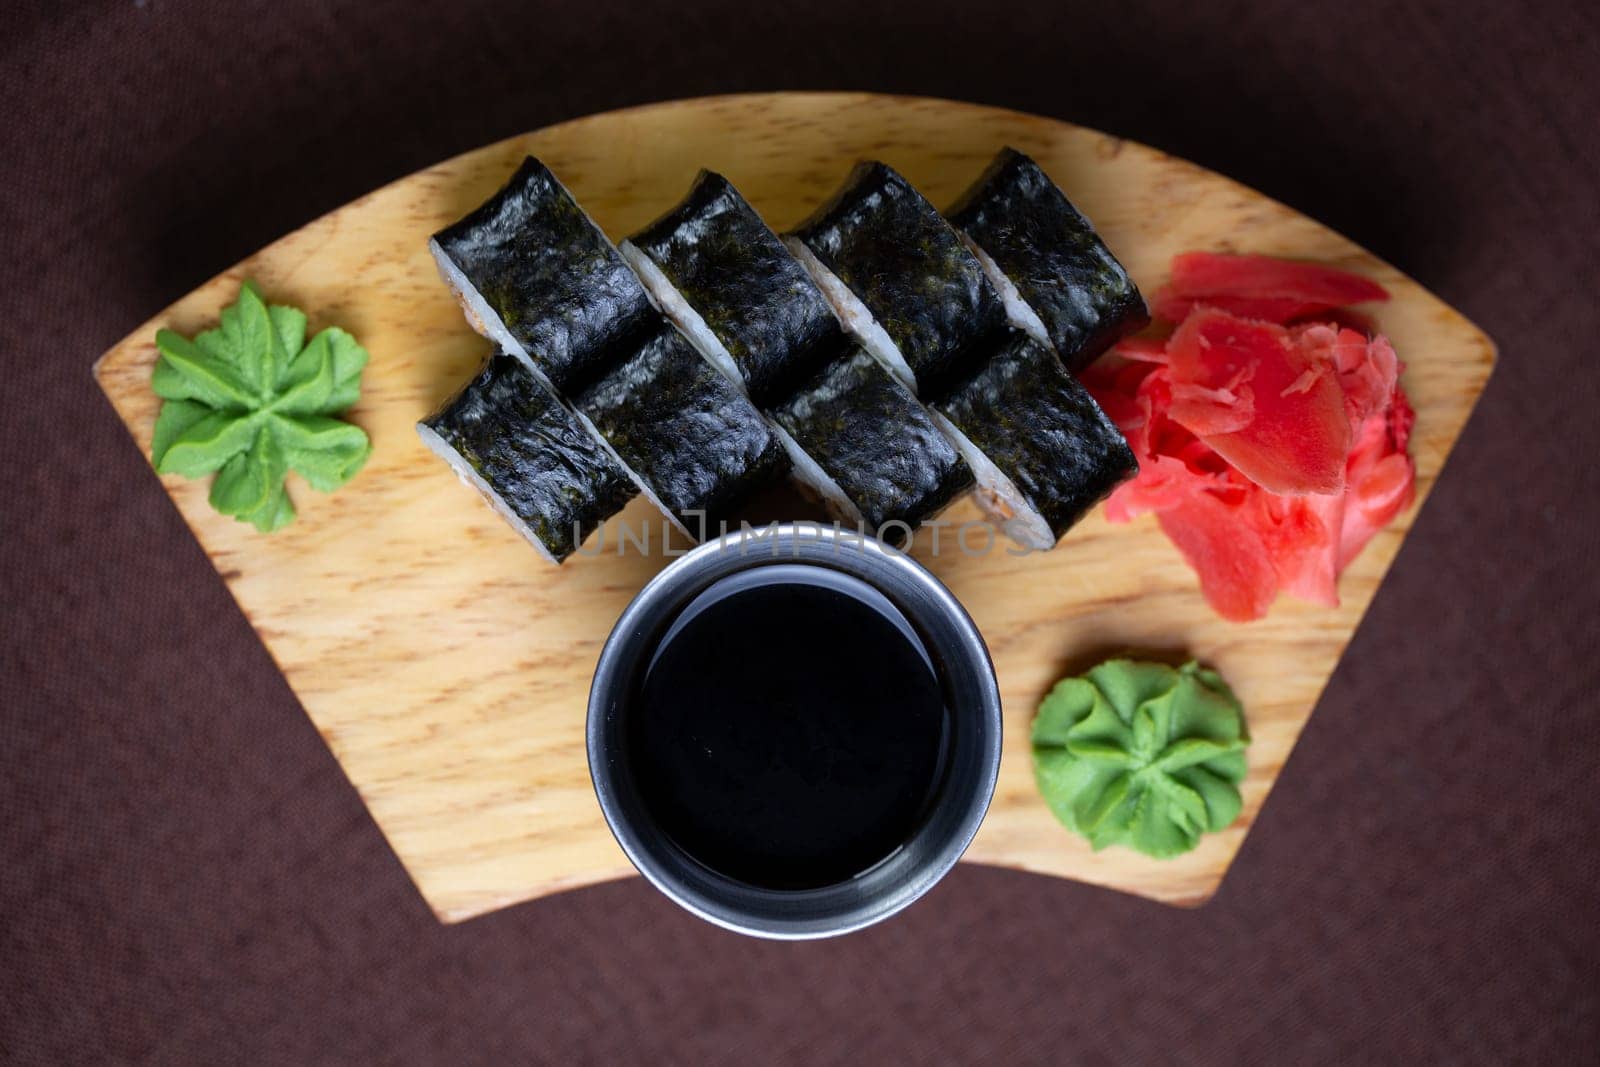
(448,666)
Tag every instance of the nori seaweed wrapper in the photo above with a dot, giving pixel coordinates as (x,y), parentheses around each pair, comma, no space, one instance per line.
(871,436)
(1053,256)
(537,457)
(551,276)
(737,275)
(1040,427)
(690,435)
(911,269)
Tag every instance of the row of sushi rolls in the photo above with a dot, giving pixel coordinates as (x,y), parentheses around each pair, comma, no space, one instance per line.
(887,358)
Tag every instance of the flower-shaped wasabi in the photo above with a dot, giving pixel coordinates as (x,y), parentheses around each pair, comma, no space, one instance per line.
(1141,754)
(251,401)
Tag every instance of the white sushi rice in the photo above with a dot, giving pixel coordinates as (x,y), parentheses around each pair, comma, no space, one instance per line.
(853,314)
(998,497)
(441,448)
(633,475)
(667,300)
(1018,311)
(479,314)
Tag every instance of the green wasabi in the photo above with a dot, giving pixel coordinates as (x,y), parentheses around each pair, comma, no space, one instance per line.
(1142,755)
(251,401)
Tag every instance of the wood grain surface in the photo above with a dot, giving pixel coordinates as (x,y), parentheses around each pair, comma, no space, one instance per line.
(448,667)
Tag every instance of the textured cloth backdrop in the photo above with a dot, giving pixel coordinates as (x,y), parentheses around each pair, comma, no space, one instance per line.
(185,874)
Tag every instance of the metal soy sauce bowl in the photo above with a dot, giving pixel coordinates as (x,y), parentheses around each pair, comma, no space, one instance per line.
(959,801)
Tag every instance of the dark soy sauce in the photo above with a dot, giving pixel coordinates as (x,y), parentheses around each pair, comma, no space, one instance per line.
(790,728)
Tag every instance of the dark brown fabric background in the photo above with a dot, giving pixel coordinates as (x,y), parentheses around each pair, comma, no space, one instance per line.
(185,874)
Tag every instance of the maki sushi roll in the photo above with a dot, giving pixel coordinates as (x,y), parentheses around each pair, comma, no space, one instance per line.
(1043,451)
(1060,282)
(857,439)
(867,448)
(513,440)
(691,441)
(717,271)
(901,279)
(535,275)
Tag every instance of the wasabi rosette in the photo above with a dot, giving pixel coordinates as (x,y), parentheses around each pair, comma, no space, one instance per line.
(1142,755)
(252,400)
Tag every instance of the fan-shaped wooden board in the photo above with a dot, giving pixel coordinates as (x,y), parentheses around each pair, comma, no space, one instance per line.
(448,667)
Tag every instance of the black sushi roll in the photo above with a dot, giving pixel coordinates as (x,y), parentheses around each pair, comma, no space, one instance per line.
(508,436)
(1043,451)
(860,441)
(535,275)
(692,441)
(902,279)
(728,282)
(1060,282)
